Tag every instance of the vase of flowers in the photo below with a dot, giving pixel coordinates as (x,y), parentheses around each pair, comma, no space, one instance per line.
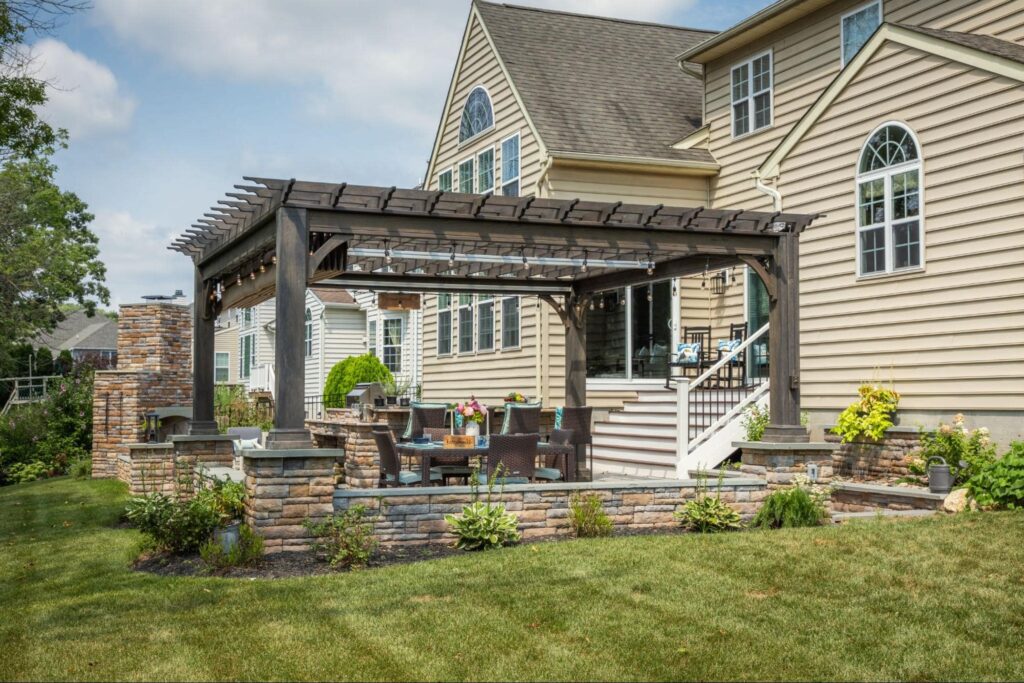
(472,414)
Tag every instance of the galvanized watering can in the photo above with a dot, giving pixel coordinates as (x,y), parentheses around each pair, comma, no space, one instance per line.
(940,479)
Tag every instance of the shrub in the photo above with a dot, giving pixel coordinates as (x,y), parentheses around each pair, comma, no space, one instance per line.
(23,472)
(797,506)
(226,498)
(587,516)
(346,540)
(484,525)
(346,374)
(233,407)
(173,525)
(1000,483)
(755,419)
(708,514)
(869,417)
(966,452)
(245,553)
(81,468)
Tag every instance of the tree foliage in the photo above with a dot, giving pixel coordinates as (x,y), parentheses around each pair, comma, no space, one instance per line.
(48,254)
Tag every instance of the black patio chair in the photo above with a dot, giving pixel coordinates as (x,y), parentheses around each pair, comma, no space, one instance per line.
(516,453)
(521,418)
(391,472)
(422,416)
(578,420)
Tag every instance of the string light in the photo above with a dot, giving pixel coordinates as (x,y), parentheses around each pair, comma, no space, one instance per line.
(387,253)
(238,279)
(591,304)
(650,293)
(526,264)
(650,264)
(601,303)
(273,259)
(451,257)
(252,274)
(583,268)
(263,267)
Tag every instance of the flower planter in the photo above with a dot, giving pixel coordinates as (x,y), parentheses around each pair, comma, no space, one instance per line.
(392,400)
(404,401)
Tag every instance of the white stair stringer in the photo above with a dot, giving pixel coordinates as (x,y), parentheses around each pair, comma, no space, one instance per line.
(716,446)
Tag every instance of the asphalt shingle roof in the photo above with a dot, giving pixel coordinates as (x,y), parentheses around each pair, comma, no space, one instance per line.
(976,41)
(79,331)
(600,86)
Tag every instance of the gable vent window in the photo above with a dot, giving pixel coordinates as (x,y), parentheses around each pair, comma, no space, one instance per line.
(856,27)
(752,95)
(477,114)
(890,231)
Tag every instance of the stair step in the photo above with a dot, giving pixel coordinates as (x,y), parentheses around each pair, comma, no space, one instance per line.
(637,443)
(641,418)
(633,456)
(641,430)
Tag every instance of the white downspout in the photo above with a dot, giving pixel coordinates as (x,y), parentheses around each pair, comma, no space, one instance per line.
(543,174)
(770,191)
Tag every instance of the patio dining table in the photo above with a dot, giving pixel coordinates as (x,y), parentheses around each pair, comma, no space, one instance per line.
(434,454)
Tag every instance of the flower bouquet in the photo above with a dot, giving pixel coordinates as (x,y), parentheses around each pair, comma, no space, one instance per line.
(472,414)
(515,397)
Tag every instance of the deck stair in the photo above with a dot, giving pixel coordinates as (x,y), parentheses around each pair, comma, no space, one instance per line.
(641,438)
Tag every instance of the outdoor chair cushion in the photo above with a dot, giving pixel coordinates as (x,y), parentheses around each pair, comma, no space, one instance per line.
(406,477)
(482,478)
(728,345)
(548,473)
(688,354)
(241,444)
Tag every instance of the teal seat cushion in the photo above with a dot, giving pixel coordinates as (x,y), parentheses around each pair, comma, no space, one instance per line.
(407,435)
(482,478)
(406,478)
(548,473)
(558,417)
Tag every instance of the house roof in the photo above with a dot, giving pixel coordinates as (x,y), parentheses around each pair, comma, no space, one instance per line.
(976,41)
(79,331)
(594,85)
(333,296)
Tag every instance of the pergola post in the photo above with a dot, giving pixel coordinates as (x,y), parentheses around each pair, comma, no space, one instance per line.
(292,245)
(203,330)
(784,344)
(575,351)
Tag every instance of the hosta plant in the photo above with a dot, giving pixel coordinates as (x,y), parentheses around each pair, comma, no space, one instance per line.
(484,524)
(708,513)
(1000,483)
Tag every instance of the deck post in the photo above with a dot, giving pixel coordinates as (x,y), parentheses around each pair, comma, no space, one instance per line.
(203,330)
(784,344)
(682,426)
(575,351)
(289,430)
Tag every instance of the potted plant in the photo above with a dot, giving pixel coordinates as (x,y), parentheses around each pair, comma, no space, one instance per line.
(515,397)
(472,414)
(870,417)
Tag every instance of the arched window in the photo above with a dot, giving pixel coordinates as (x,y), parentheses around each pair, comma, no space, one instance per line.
(309,333)
(477,115)
(890,233)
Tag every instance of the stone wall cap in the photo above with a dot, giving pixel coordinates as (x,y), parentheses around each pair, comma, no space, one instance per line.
(150,446)
(729,484)
(895,429)
(184,438)
(285,454)
(772,446)
(904,491)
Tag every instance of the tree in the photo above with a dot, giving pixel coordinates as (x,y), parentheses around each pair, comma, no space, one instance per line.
(48,255)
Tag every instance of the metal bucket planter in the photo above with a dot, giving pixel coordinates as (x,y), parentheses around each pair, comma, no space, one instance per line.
(940,478)
(228,536)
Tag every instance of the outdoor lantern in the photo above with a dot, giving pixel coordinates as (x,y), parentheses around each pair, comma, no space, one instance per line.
(812,471)
(152,422)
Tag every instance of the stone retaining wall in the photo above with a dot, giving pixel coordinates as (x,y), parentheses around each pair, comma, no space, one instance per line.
(888,457)
(778,463)
(853,497)
(171,468)
(416,515)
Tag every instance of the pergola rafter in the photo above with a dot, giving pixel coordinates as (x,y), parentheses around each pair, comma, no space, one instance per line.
(274,237)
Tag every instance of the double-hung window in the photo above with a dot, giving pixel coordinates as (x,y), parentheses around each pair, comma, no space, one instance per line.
(510,166)
(309,333)
(856,27)
(393,344)
(466,176)
(510,322)
(465,323)
(485,323)
(444,181)
(221,371)
(889,211)
(752,95)
(485,171)
(371,337)
(444,324)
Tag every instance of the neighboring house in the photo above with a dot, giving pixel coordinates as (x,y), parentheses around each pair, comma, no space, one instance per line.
(901,122)
(396,337)
(244,340)
(87,339)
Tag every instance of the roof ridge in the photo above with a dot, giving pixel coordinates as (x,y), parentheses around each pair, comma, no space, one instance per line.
(638,22)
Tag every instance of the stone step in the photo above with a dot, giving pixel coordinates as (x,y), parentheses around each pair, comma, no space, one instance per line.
(838,517)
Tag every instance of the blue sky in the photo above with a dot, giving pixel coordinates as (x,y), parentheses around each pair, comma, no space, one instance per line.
(169,103)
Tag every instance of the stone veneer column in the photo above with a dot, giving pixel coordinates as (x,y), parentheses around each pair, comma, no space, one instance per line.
(888,457)
(285,488)
(778,463)
(362,459)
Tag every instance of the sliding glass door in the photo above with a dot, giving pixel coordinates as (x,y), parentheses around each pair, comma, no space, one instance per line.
(629,333)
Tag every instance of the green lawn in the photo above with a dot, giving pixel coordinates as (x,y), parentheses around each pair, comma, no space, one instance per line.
(929,599)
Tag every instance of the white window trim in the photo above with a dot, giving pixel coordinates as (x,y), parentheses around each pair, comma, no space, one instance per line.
(372,335)
(476,169)
(887,173)
(451,171)
(749,62)
(244,373)
(451,328)
(472,175)
(307,333)
(476,323)
(519,145)
(226,355)
(458,306)
(400,346)
(500,343)
(842,21)
(476,136)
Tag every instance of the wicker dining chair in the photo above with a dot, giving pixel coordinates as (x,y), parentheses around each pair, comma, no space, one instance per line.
(521,418)
(517,453)
(391,472)
(550,471)
(578,420)
(422,416)
(450,467)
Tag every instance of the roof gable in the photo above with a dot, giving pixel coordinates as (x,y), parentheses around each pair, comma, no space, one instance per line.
(979,51)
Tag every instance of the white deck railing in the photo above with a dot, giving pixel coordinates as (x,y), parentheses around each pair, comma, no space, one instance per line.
(262,378)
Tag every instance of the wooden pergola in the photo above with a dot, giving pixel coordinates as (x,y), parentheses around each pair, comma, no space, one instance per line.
(273,238)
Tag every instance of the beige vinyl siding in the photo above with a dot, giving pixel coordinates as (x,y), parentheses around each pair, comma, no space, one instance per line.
(344,335)
(950,337)
(701,307)
(570,181)
(806,57)
(225,340)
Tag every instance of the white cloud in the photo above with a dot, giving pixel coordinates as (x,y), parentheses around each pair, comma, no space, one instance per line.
(365,59)
(135,255)
(84,96)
